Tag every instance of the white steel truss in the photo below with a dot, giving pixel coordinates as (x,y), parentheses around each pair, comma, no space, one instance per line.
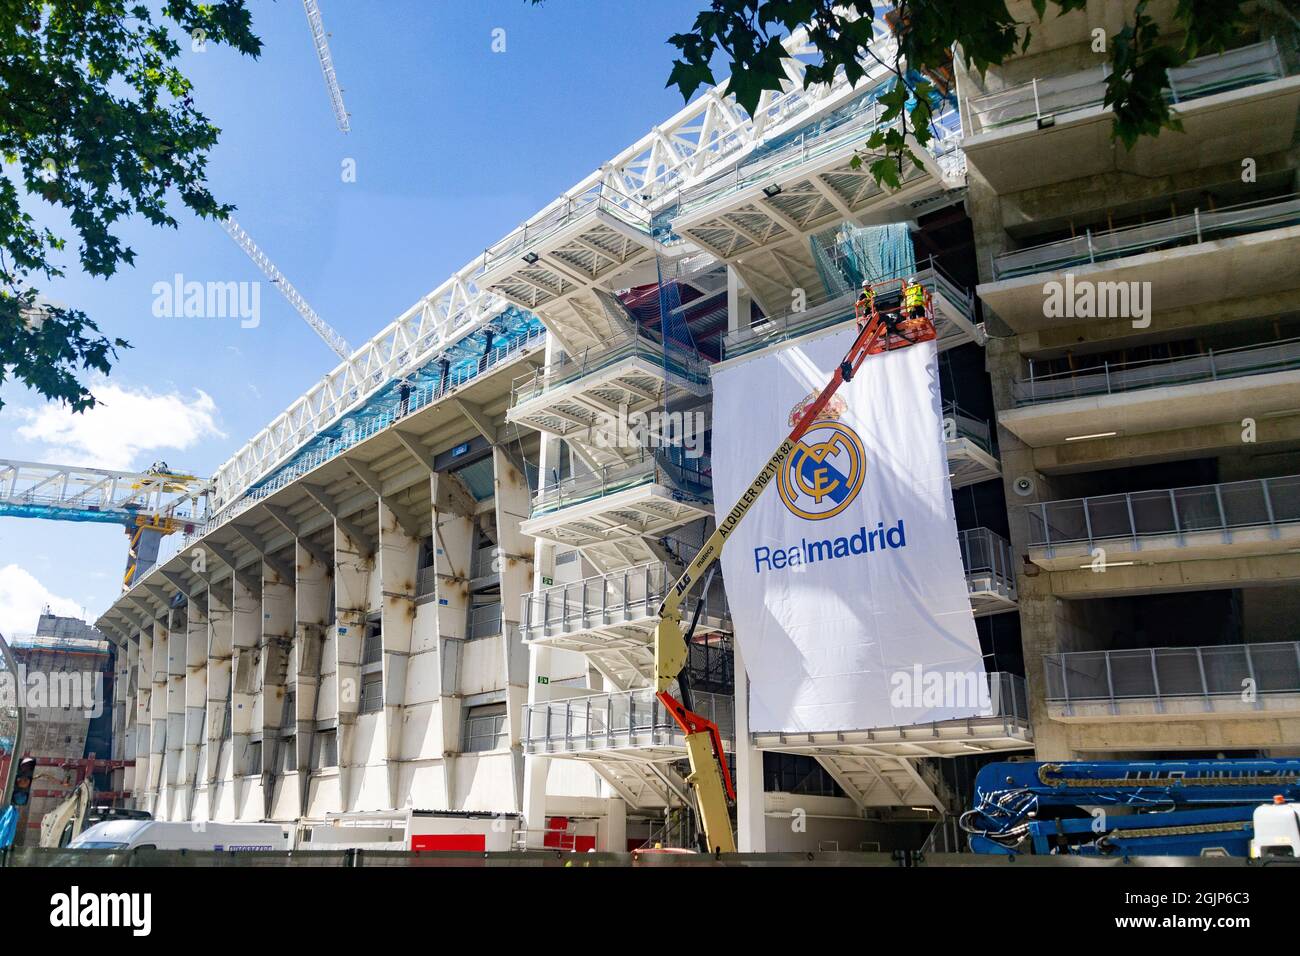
(42,490)
(321,39)
(699,141)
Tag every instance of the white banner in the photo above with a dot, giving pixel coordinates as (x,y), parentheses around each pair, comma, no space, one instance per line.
(845,580)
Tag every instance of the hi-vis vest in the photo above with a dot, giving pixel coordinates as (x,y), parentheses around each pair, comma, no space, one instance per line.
(914,296)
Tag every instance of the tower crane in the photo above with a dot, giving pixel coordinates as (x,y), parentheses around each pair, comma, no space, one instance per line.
(879,330)
(331,338)
(320,38)
(149,504)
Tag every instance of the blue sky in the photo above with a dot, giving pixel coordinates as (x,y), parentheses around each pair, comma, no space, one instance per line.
(454,145)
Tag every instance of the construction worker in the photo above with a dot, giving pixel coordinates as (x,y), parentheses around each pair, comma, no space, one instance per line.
(913,311)
(866,302)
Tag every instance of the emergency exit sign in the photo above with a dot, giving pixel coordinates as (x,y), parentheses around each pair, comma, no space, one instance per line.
(547,582)
(543,680)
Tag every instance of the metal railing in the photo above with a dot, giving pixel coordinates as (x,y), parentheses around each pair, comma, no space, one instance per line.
(1201,225)
(647,467)
(600,197)
(624,345)
(822,310)
(1116,377)
(958,423)
(617,720)
(985,554)
(1243,672)
(1257,503)
(484,621)
(426,581)
(483,562)
(847,128)
(618,597)
(365,428)
(1056,96)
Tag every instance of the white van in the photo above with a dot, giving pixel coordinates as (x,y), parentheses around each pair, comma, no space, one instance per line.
(166,835)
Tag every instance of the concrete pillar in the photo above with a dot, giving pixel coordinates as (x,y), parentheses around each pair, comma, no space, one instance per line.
(453,544)
(174,734)
(196,703)
(353,563)
(614,832)
(276,644)
(399,557)
(738,301)
(751,822)
(144,718)
(220,650)
(157,712)
(245,690)
(131,734)
(311,612)
(514,563)
(536,766)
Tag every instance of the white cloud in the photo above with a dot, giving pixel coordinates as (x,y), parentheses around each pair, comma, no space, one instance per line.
(122,431)
(23,598)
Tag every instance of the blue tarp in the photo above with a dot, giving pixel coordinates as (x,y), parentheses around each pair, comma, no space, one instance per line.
(8,827)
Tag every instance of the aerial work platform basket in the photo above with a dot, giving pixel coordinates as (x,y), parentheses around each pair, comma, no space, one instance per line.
(904,306)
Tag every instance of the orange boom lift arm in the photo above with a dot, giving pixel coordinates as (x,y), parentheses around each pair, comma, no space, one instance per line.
(879,330)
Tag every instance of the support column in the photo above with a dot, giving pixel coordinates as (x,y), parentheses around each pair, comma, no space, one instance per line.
(614,832)
(514,563)
(399,556)
(353,563)
(245,691)
(131,733)
(221,623)
(453,542)
(738,301)
(276,645)
(311,612)
(196,703)
(144,719)
(157,714)
(171,801)
(751,820)
(537,766)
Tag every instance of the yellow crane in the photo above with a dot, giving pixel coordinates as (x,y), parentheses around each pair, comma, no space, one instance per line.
(879,330)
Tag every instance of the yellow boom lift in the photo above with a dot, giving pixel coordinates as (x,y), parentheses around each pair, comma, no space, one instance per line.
(879,330)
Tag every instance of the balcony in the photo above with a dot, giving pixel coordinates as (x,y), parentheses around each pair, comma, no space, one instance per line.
(968,440)
(1004,727)
(570,246)
(588,396)
(954,317)
(608,513)
(1054,129)
(1208,255)
(611,619)
(990,572)
(1175,683)
(624,721)
(803,182)
(1151,396)
(1231,520)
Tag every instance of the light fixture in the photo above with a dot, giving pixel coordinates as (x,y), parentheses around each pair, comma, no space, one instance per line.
(1047,121)
(531,258)
(1096,435)
(1109,564)
(772,191)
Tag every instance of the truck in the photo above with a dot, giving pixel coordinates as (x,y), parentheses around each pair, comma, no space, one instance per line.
(198,835)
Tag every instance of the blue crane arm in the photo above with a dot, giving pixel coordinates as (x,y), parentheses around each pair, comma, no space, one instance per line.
(1021,803)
